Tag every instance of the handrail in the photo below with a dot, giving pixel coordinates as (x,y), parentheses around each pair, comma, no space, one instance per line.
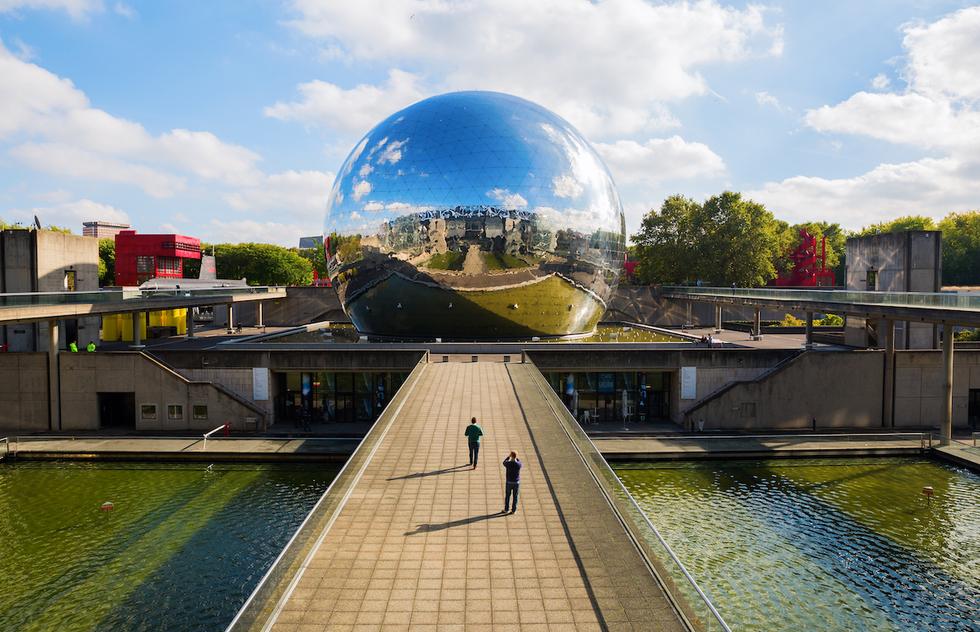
(267,598)
(564,419)
(207,434)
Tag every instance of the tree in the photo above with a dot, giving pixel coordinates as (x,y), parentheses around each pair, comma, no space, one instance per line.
(107,261)
(727,239)
(262,264)
(898,225)
(961,248)
(836,245)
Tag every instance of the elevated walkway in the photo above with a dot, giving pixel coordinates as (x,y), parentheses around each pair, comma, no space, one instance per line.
(409,537)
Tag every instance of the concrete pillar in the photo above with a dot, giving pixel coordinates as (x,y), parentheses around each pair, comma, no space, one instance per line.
(137,334)
(888,392)
(190,322)
(231,318)
(946,432)
(258,308)
(54,378)
(688,322)
(757,324)
(809,330)
(717,319)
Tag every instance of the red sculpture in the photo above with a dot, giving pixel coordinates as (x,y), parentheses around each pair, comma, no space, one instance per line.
(805,272)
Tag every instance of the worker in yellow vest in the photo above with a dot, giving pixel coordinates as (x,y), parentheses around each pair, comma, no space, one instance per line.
(90,347)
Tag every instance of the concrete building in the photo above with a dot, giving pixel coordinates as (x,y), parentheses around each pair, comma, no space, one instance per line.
(48,261)
(102,230)
(909,261)
(140,258)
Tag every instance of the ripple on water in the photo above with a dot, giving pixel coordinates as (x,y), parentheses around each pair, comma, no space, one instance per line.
(181,550)
(823,544)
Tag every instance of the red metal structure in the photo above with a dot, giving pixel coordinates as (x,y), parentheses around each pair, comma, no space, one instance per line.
(805,272)
(140,258)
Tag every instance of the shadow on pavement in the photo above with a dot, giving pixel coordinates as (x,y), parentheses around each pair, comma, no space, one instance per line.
(439,526)
(432,473)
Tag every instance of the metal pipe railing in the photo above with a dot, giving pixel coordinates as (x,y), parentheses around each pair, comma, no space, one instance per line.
(224,426)
(611,486)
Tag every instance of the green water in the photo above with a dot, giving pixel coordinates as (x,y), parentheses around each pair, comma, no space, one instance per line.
(182,549)
(828,544)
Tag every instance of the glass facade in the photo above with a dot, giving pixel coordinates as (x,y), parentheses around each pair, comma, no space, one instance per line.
(474,215)
(334,396)
(614,396)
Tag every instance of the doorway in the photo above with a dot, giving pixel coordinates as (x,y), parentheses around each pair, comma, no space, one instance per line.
(973,409)
(117,410)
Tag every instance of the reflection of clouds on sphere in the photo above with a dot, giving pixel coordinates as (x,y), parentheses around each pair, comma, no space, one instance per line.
(469,149)
(479,194)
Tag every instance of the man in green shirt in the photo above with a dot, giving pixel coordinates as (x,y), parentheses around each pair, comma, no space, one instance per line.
(473,433)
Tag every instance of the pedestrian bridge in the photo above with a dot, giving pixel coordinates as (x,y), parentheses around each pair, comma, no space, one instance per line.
(409,537)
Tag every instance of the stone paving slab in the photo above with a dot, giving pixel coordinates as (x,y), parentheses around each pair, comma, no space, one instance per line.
(420,543)
(166,445)
(695,446)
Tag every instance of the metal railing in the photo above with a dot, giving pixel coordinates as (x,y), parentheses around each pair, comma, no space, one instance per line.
(274,589)
(680,585)
(944,300)
(924,438)
(21,299)
(225,426)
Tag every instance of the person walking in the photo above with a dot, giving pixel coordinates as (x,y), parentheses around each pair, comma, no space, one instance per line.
(473,433)
(512,486)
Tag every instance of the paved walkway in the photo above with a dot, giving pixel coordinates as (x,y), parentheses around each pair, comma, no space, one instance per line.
(420,545)
(694,447)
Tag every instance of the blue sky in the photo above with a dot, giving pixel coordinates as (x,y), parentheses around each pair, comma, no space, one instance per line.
(228,120)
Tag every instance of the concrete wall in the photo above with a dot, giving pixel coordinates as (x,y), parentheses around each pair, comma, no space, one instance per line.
(903,262)
(84,375)
(302,305)
(640,304)
(238,381)
(37,261)
(24,392)
(919,387)
(839,389)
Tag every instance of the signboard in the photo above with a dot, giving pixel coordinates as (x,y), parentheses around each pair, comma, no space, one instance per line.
(260,384)
(689,382)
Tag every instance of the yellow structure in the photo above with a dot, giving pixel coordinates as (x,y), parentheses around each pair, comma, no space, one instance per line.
(119,327)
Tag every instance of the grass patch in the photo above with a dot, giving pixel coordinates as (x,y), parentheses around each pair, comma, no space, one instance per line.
(503,261)
(446,261)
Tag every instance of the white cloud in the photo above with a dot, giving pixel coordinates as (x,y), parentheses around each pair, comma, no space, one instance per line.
(881,82)
(352,111)
(300,195)
(938,109)
(659,160)
(77,9)
(765,99)
(123,9)
(507,199)
(50,113)
(620,60)
(565,186)
(362,188)
(931,186)
(65,160)
(392,153)
(247,230)
(68,214)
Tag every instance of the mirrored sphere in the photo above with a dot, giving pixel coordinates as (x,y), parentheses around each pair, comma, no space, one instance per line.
(474,215)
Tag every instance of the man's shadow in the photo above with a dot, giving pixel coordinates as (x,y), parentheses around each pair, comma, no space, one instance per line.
(439,526)
(432,473)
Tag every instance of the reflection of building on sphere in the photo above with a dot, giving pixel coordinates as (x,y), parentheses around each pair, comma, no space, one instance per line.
(481,201)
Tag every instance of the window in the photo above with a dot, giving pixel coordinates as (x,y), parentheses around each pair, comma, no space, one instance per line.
(168,265)
(148,411)
(145,263)
(199,412)
(69,280)
(175,411)
(872,281)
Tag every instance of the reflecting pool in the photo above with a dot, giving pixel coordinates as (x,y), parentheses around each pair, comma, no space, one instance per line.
(181,549)
(829,544)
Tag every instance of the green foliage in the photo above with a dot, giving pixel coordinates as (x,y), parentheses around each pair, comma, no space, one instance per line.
(898,225)
(967,335)
(262,264)
(347,249)
(961,248)
(18,226)
(836,245)
(107,261)
(727,239)
(446,261)
(791,321)
(316,258)
(830,320)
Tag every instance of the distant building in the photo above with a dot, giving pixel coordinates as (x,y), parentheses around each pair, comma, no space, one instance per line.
(48,261)
(140,258)
(102,230)
(307,243)
(909,261)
